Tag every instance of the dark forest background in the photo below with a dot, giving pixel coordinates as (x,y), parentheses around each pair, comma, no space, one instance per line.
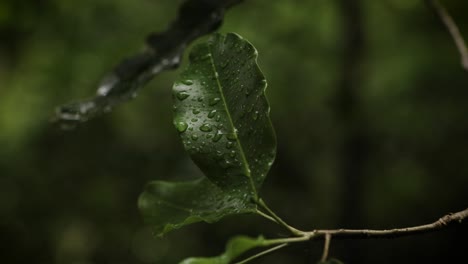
(368,100)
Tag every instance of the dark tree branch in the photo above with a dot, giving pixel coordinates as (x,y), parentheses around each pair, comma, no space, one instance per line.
(452,28)
(164,51)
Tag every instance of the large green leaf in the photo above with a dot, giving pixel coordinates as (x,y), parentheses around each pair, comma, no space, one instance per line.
(221,113)
(168,205)
(235,247)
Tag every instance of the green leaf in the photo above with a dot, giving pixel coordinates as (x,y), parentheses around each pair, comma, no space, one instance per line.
(169,206)
(235,247)
(222,115)
(330,261)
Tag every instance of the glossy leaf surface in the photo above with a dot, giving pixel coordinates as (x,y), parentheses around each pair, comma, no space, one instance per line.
(171,205)
(235,247)
(221,114)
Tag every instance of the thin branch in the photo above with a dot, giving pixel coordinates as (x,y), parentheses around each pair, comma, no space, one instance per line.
(443,222)
(266,216)
(261,254)
(452,27)
(326,247)
(280,221)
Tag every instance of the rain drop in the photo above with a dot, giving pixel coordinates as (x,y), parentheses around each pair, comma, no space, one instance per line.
(231,137)
(255,115)
(217,136)
(182,95)
(212,113)
(195,111)
(225,163)
(214,101)
(181,126)
(206,128)
(187,82)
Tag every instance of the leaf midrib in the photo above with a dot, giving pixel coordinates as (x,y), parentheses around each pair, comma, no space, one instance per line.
(244,159)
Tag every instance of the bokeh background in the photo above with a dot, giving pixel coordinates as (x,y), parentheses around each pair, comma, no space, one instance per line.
(368,100)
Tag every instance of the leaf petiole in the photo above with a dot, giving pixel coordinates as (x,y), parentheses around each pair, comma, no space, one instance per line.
(266,216)
(261,254)
(280,221)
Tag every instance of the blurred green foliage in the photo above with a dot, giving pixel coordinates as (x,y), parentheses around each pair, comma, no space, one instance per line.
(70,197)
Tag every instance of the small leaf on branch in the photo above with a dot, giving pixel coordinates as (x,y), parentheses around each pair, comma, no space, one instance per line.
(235,248)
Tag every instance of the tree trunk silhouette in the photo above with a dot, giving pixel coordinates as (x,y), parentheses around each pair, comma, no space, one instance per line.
(353,148)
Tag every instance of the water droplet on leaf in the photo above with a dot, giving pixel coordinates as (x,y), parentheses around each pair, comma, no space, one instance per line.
(181,126)
(231,137)
(187,82)
(214,101)
(217,136)
(255,115)
(182,95)
(212,113)
(206,128)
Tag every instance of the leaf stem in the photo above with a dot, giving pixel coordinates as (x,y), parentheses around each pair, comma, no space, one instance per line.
(452,28)
(280,221)
(266,216)
(261,253)
(326,247)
